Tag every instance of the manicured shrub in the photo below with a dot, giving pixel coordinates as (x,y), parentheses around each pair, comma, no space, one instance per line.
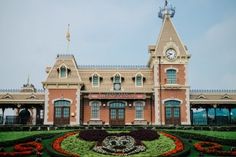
(200,137)
(93,135)
(144,135)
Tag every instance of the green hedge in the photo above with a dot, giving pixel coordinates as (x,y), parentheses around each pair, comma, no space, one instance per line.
(26,139)
(230,142)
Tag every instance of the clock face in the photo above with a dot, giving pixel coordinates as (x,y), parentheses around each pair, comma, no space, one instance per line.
(117,86)
(171,54)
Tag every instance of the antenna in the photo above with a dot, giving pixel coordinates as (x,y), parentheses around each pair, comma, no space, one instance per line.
(68,38)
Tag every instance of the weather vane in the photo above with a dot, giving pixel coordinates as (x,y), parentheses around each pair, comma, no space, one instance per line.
(166,10)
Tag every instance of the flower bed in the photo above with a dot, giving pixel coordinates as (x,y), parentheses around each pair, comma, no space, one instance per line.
(213,148)
(57,144)
(24,149)
(178,145)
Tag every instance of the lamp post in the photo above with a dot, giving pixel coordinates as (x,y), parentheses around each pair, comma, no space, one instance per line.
(160,94)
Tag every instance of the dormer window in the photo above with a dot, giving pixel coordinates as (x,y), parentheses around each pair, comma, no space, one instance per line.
(95,80)
(117,78)
(117,82)
(139,80)
(63,72)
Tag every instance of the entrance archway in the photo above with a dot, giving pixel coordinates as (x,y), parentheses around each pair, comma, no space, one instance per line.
(24,116)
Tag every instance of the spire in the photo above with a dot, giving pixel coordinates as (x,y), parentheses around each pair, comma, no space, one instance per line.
(28,80)
(167,10)
(68,37)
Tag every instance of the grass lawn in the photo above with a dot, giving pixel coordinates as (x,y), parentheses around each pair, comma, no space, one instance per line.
(12,135)
(154,148)
(219,134)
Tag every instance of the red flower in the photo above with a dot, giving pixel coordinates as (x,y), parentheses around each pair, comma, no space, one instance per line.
(24,149)
(57,144)
(212,148)
(179,146)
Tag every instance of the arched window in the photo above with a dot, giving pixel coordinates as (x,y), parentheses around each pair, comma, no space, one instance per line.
(63,72)
(95,80)
(139,80)
(171,76)
(139,110)
(95,108)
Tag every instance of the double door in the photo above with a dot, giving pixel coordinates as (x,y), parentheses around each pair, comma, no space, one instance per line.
(117,113)
(172,115)
(61,115)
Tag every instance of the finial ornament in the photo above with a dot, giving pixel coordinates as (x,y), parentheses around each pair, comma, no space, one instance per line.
(68,38)
(167,10)
(166,3)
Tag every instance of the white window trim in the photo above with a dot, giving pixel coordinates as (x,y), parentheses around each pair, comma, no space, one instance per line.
(171,68)
(176,70)
(136,79)
(112,101)
(98,80)
(58,99)
(115,76)
(63,65)
(99,104)
(174,99)
(143,104)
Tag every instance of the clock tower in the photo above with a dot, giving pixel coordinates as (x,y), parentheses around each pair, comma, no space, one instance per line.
(169,59)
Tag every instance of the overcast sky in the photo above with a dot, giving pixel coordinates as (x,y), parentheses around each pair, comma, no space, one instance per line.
(32,33)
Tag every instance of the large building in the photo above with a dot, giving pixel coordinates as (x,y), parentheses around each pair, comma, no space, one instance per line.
(155,94)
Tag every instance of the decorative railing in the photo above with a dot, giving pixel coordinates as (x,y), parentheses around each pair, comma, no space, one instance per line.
(113,66)
(213,91)
(18,90)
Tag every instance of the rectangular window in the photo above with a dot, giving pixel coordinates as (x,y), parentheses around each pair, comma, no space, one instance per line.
(66,112)
(139,81)
(95,81)
(117,79)
(58,112)
(95,110)
(176,112)
(121,114)
(113,113)
(171,76)
(168,112)
(63,72)
(139,111)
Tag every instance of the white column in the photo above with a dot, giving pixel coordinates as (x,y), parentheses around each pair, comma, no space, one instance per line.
(156,96)
(46,109)
(188,122)
(33,116)
(78,107)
